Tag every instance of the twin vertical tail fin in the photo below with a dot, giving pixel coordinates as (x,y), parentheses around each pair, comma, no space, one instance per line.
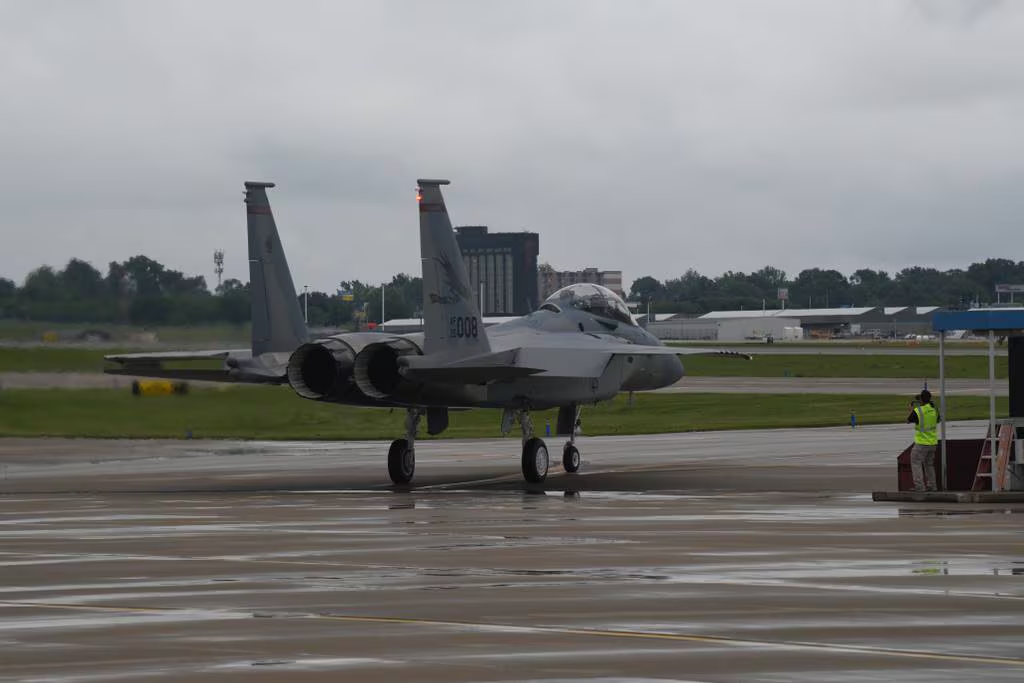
(277,323)
(452,325)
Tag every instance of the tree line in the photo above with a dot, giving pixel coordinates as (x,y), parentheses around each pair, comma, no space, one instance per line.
(144,292)
(824,288)
(141,291)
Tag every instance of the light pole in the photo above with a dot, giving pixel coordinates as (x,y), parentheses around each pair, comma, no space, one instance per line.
(382,307)
(305,304)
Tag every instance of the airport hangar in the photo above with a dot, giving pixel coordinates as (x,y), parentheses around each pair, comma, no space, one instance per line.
(797,323)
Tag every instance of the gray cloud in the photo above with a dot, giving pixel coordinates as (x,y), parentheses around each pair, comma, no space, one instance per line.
(963,13)
(651,137)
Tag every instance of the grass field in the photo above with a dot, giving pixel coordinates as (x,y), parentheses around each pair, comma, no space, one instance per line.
(42,359)
(820,365)
(276,413)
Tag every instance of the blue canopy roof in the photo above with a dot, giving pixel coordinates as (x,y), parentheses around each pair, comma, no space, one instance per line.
(989,319)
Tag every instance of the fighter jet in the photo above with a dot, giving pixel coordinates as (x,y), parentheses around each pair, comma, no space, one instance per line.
(580,347)
(277,324)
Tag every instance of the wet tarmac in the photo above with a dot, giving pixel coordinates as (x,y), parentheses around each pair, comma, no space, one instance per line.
(729,556)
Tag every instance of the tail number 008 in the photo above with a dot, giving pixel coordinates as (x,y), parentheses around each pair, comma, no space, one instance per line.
(463,326)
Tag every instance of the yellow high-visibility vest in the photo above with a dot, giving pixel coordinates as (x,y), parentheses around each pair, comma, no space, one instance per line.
(925,432)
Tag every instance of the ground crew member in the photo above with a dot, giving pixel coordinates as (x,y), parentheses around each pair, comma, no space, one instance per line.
(925,418)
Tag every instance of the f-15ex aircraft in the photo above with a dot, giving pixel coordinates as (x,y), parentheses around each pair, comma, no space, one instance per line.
(581,346)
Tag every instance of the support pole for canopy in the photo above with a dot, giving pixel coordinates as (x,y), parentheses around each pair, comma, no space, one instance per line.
(992,402)
(943,484)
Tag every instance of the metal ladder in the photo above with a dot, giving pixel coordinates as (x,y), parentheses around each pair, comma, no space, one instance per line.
(1004,449)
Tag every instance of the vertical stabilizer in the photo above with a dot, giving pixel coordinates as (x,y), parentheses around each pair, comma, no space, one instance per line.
(452,324)
(277,323)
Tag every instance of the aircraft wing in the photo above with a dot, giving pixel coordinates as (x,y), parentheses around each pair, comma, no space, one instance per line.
(562,359)
(617,347)
(238,366)
(574,361)
(143,358)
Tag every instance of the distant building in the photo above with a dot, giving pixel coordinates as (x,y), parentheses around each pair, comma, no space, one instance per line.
(502,268)
(816,323)
(727,329)
(551,280)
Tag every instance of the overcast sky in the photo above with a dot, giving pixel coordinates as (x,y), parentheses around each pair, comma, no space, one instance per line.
(644,136)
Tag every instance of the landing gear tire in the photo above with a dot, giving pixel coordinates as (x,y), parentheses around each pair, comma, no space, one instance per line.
(401,461)
(535,460)
(570,458)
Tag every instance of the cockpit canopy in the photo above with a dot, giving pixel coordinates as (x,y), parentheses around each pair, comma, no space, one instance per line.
(593,299)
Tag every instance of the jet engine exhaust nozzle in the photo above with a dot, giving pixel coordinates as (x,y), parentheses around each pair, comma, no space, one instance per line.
(377,370)
(321,370)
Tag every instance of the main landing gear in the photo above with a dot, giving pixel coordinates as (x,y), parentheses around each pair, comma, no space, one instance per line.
(535,452)
(402,454)
(535,459)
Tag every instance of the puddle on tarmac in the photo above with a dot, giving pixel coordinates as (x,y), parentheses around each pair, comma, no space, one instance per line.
(103,518)
(612,680)
(307,663)
(830,569)
(903,675)
(106,620)
(644,496)
(958,512)
(412,578)
(803,513)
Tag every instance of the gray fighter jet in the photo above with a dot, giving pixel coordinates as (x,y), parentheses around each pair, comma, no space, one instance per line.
(277,324)
(580,347)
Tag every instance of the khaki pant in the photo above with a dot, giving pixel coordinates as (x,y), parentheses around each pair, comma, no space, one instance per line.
(922,467)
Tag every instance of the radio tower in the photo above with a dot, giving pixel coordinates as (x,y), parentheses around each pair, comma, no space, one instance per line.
(218,265)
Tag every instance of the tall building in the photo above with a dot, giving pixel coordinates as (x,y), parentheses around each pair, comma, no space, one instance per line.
(502,268)
(551,280)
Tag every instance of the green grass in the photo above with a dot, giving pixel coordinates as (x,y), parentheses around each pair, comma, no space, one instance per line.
(276,413)
(822,365)
(63,359)
(42,359)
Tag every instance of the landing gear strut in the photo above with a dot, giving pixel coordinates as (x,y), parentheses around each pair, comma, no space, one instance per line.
(570,454)
(402,454)
(535,452)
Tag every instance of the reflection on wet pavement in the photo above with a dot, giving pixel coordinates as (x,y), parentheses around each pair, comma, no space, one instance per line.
(467,583)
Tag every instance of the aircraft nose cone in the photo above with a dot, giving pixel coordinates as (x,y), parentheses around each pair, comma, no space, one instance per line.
(674,369)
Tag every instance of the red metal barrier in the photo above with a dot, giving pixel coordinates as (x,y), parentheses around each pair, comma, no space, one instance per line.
(962,457)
